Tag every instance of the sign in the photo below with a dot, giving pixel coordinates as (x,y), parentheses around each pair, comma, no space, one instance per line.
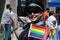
(54,3)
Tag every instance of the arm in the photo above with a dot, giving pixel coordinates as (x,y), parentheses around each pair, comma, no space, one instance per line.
(17,33)
(15,27)
(56,23)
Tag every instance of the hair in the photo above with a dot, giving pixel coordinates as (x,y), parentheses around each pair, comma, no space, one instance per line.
(47,8)
(37,5)
(35,8)
(51,13)
(7,6)
(28,2)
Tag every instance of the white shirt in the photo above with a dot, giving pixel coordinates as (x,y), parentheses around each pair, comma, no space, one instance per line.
(7,15)
(49,22)
(13,15)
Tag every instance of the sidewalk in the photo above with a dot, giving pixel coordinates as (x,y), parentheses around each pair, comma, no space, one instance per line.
(13,37)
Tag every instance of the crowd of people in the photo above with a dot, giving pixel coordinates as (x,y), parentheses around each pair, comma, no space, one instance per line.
(36,15)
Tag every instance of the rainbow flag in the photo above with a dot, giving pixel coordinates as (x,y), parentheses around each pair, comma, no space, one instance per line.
(37,31)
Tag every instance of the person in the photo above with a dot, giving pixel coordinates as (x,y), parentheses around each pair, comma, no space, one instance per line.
(8,22)
(46,14)
(34,11)
(13,17)
(57,34)
(59,17)
(52,24)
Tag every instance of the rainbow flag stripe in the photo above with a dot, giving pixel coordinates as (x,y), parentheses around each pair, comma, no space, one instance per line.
(37,31)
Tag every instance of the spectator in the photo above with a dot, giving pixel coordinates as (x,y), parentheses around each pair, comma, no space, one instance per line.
(46,14)
(8,20)
(57,34)
(34,13)
(52,24)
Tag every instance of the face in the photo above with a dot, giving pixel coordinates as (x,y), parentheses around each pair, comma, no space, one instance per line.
(35,16)
(9,7)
